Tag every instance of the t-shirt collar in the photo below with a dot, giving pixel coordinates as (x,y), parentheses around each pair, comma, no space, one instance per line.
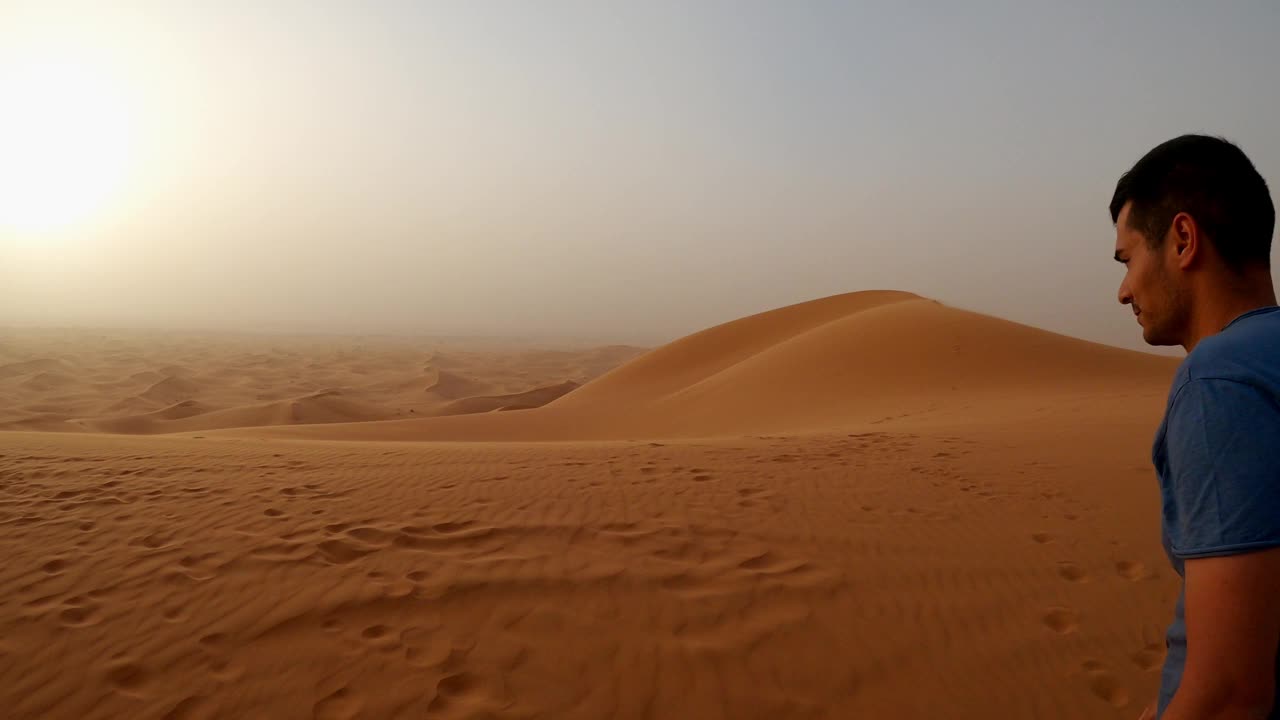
(1251,313)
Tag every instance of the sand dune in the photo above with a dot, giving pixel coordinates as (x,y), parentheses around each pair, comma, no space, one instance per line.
(170,390)
(866,506)
(34,366)
(77,382)
(131,405)
(322,407)
(854,356)
(514,401)
(840,362)
(180,410)
(47,380)
(452,386)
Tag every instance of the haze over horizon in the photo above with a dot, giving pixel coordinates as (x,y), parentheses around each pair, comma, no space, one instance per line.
(636,173)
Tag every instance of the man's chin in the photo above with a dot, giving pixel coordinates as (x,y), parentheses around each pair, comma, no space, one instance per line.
(1156,339)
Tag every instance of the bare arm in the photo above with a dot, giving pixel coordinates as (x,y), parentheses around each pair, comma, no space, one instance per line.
(1232,612)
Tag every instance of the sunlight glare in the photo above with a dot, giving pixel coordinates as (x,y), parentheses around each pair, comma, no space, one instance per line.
(65,143)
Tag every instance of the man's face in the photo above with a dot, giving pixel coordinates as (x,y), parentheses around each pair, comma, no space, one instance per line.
(1149,285)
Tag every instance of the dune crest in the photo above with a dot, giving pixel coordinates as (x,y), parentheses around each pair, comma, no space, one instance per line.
(453,386)
(171,389)
(527,400)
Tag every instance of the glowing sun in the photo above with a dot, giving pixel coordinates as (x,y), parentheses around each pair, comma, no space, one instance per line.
(65,143)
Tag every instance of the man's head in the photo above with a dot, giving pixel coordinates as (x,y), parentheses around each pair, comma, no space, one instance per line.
(1193,219)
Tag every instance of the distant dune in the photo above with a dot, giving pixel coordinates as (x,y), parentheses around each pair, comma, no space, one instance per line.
(146,384)
(170,390)
(130,405)
(31,367)
(452,386)
(321,407)
(514,401)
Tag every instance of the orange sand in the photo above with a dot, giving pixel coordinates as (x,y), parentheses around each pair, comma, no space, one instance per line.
(869,505)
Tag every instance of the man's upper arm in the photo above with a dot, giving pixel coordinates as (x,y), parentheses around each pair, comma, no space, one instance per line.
(1233,628)
(1223,444)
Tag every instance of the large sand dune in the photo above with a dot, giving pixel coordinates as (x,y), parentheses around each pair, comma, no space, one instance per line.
(839,362)
(867,506)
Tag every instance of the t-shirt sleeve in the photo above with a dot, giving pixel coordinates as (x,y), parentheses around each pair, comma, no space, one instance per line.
(1223,444)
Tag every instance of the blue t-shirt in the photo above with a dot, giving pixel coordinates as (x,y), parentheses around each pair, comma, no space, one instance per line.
(1217,454)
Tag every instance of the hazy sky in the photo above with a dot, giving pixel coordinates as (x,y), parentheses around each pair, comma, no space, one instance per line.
(634,171)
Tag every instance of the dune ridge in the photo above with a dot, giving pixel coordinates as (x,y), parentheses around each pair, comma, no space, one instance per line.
(526,400)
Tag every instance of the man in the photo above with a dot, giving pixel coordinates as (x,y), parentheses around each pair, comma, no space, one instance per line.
(1194,222)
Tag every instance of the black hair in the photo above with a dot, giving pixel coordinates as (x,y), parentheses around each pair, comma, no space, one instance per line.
(1210,179)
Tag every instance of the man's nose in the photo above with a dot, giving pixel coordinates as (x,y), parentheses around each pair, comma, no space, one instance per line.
(1125,297)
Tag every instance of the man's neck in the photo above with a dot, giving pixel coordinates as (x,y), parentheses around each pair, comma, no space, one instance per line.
(1214,314)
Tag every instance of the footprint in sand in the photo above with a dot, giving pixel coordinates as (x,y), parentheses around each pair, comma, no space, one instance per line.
(1061,620)
(424,648)
(341,704)
(213,640)
(79,616)
(1104,685)
(1131,570)
(174,614)
(1107,688)
(223,670)
(188,709)
(375,633)
(382,637)
(1042,538)
(127,678)
(1150,657)
(1071,572)
(341,552)
(449,689)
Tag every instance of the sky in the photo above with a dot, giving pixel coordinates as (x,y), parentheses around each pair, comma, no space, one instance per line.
(628,171)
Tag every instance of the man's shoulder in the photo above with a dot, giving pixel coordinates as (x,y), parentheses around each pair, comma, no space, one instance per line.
(1247,351)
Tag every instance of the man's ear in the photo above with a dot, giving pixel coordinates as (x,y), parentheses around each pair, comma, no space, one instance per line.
(1185,237)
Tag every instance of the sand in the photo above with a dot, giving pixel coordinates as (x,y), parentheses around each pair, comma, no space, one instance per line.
(871,505)
(154,383)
